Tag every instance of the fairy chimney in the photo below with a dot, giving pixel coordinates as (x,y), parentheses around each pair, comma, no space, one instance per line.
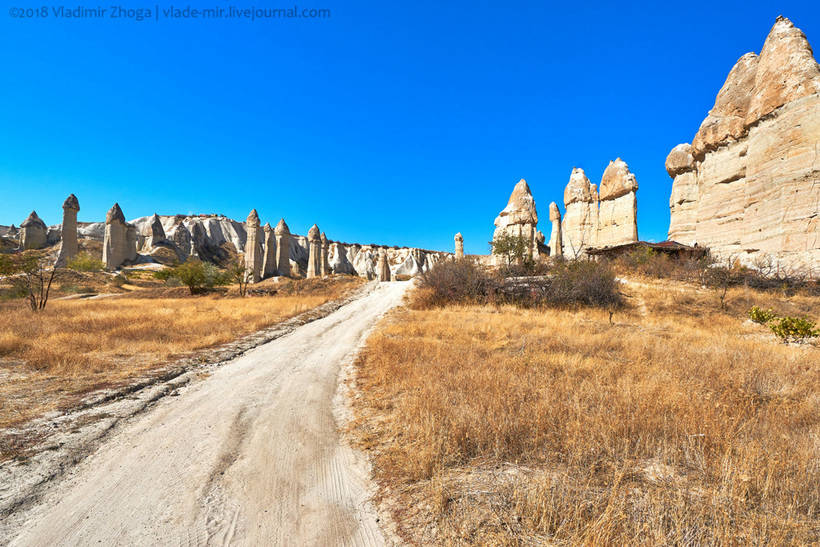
(253,248)
(282,233)
(118,240)
(314,268)
(325,251)
(33,232)
(68,237)
(459,245)
(555,236)
(382,267)
(269,260)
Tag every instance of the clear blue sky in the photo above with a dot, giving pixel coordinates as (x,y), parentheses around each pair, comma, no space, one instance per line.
(398,124)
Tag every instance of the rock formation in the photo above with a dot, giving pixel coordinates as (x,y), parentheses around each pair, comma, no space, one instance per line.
(556,248)
(338,262)
(33,232)
(120,241)
(153,233)
(383,268)
(269,260)
(253,248)
(325,270)
(519,217)
(282,233)
(68,231)
(618,208)
(748,187)
(580,223)
(314,267)
(459,245)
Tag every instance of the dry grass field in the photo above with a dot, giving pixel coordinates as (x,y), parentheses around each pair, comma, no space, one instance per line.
(50,359)
(679,423)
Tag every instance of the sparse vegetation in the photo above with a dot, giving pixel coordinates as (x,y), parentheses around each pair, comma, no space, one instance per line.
(32,274)
(50,359)
(513,249)
(793,328)
(198,275)
(495,425)
(85,262)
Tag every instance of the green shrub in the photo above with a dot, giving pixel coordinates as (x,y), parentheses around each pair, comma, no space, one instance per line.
(794,328)
(761,316)
(84,262)
(195,274)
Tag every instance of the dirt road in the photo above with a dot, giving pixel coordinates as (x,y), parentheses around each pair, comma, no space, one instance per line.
(250,455)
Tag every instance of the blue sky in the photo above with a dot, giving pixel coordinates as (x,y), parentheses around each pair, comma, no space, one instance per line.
(398,124)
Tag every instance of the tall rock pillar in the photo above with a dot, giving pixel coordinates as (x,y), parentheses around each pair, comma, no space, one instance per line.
(253,248)
(314,252)
(382,267)
(116,242)
(459,239)
(618,211)
(269,260)
(519,218)
(556,248)
(68,238)
(282,233)
(325,250)
(580,217)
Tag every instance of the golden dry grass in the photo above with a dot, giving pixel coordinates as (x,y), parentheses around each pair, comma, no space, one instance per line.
(49,359)
(679,424)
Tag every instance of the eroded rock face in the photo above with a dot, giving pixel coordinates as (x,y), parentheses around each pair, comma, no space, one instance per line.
(314,266)
(253,248)
(459,240)
(519,217)
(33,232)
(325,251)
(153,234)
(338,262)
(618,207)
(748,188)
(556,248)
(120,240)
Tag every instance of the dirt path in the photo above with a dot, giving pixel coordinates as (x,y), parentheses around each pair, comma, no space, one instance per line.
(251,455)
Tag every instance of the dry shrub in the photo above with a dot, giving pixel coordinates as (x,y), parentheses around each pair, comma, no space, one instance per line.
(457,281)
(49,359)
(497,425)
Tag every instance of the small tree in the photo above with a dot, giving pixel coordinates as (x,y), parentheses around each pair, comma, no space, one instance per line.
(513,248)
(32,273)
(237,273)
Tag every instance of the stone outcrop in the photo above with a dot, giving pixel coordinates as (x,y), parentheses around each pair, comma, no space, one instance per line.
(618,207)
(579,226)
(338,262)
(120,240)
(282,233)
(556,247)
(269,244)
(748,187)
(253,248)
(459,239)
(383,268)
(153,234)
(33,232)
(314,267)
(68,231)
(519,218)
(325,270)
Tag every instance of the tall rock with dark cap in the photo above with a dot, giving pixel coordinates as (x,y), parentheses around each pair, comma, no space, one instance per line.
(153,234)
(556,248)
(459,240)
(119,246)
(325,251)
(383,267)
(282,233)
(33,232)
(519,218)
(269,261)
(748,187)
(253,248)
(68,231)
(314,237)
(618,207)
